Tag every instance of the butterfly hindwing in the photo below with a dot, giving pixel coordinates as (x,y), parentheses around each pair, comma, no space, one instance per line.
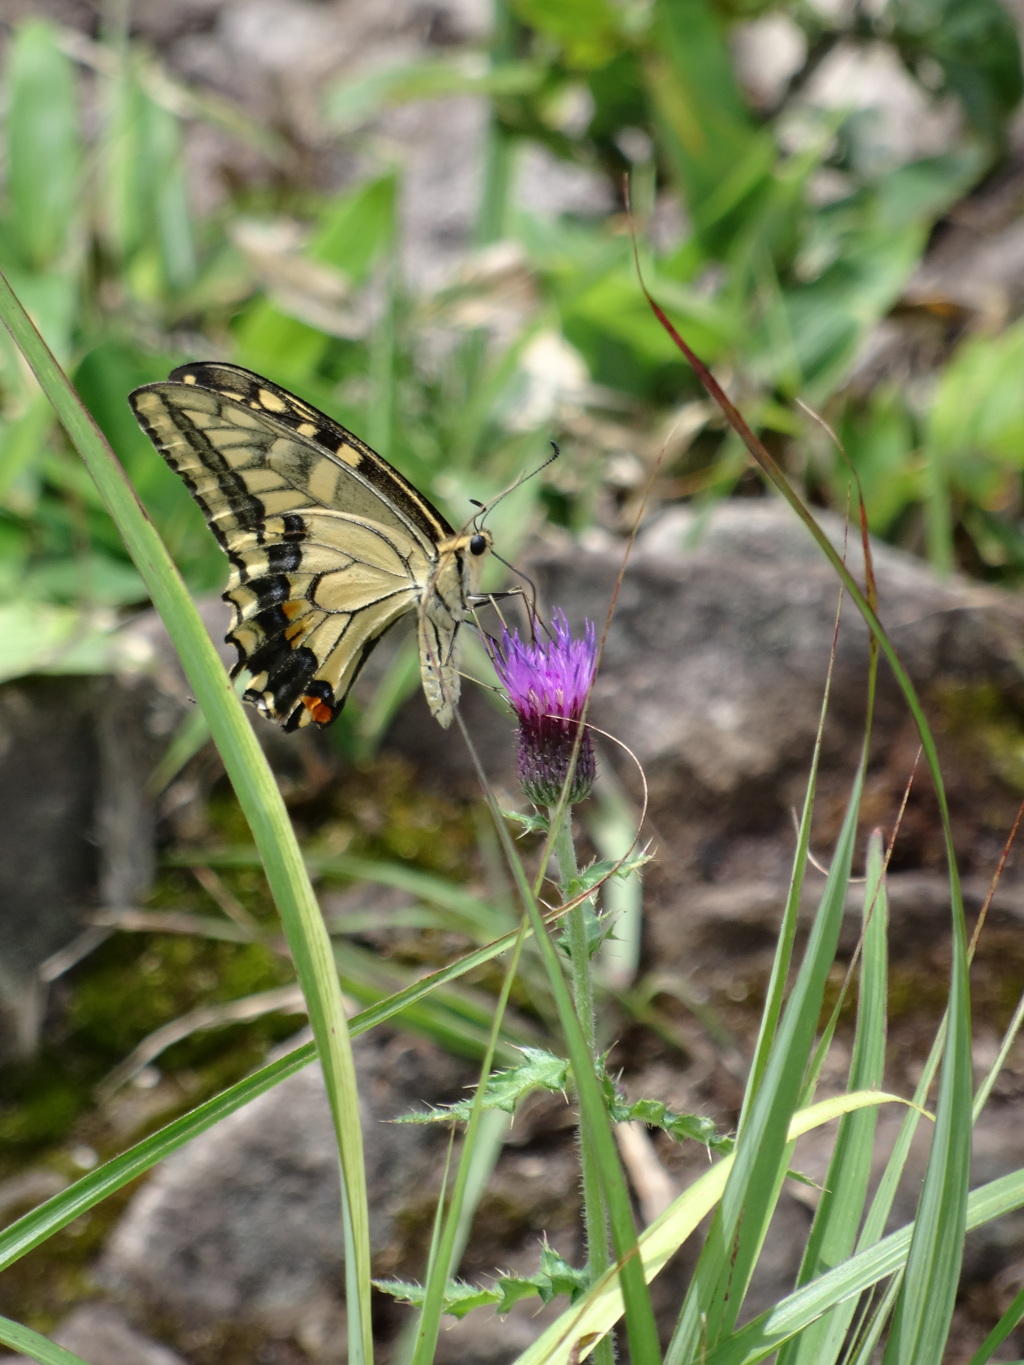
(328,544)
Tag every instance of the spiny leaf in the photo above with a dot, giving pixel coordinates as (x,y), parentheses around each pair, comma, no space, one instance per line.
(459,1298)
(656,1114)
(597,872)
(532,824)
(556,1276)
(504,1089)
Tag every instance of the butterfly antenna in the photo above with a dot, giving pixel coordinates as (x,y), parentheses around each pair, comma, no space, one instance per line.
(482,510)
(486,508)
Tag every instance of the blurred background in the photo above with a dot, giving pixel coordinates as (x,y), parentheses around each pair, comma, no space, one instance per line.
(412,214)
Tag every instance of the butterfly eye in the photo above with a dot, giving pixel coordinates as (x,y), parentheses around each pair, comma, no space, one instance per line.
(478,545)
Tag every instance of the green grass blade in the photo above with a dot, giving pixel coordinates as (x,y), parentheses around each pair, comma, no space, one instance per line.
(601,1307)
(57,1212)
(925,1309)
(475,1161)
(257,793)
(926,1306)
(759,1339)
(1009,1321)
(999,1061)
(40,1223)
(840,1209)
(35,1345)
(783,958)
(721,157)
(737,1232)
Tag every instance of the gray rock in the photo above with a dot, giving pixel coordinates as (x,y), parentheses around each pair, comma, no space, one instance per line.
(48,762)
(241,1228)
(243,1220)
(77,828)
(718,650)
(78,819)
(713,675)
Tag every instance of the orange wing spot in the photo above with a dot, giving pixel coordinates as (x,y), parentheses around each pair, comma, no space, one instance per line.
(318,710)
(294,631)
(290,608)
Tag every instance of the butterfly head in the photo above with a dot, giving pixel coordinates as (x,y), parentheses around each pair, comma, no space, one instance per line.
(462,556)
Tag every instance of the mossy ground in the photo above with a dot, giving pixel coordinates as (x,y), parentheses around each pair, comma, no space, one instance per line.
(137,982)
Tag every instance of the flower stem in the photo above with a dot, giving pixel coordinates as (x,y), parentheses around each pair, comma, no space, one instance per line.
(595,1220)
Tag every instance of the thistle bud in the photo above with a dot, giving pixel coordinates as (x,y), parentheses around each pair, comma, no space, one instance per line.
(548,683)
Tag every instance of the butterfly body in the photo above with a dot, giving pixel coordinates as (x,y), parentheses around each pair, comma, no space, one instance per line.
(328,544)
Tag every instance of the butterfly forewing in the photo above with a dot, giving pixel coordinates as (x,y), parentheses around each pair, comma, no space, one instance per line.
(328,544)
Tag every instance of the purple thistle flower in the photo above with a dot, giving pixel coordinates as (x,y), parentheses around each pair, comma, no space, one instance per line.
(548,683)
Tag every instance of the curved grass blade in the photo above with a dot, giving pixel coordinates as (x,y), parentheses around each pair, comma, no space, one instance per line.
(925,1307)
(762,1145)
(42,1222)
(599,1310)
(840,1208)
(35,1345)
(761,1338)
(258,796)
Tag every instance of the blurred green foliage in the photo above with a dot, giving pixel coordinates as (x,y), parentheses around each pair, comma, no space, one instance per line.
(775,281)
